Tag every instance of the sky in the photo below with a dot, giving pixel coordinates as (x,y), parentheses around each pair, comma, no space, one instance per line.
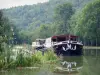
(13,3)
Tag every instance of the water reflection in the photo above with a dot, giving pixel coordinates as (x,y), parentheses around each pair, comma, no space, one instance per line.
(93,52)
(70,64)
(87,64)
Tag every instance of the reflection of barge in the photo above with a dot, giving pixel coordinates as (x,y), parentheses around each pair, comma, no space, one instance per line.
(67,45)
(70,64)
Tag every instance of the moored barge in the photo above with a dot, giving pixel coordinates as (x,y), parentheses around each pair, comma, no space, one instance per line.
(67,45)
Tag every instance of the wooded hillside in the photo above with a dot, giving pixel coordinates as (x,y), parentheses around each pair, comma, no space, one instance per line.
(39,20)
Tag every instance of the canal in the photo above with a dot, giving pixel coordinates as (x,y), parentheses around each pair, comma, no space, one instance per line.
(88,64)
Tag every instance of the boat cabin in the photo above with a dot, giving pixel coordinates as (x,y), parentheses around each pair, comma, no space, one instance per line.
(67,45)
(40,41)
(38,44)
(60,38)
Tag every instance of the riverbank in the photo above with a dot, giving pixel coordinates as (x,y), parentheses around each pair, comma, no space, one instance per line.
(23,58)
(91,47)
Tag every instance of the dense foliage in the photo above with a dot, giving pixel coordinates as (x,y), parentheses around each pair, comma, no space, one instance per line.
(31,19)
(63,14)
(56,17)
(87,23)
(5,30)
(6,35)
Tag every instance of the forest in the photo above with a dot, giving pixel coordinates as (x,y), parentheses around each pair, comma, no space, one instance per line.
(43,20)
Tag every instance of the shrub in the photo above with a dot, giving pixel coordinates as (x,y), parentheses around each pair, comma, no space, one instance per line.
(22,61)
(1,62)
(50,56)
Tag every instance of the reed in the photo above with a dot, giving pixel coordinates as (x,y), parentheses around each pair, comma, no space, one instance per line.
(25,60)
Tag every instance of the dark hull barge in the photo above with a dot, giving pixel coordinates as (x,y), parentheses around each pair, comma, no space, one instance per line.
(67,45)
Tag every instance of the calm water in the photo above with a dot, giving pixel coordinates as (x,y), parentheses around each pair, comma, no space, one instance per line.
(89,64)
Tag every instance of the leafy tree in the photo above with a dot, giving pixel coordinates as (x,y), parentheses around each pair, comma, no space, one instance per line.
(5,30)
(88,22)
(63,14)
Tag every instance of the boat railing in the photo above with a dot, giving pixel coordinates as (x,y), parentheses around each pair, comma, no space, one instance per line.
(68,41)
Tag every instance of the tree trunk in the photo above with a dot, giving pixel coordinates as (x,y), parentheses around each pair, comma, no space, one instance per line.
(96,42)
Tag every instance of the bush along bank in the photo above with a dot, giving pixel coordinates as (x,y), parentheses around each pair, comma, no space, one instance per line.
(28,60)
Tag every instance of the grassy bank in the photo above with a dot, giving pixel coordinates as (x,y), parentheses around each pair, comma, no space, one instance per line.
(27,60)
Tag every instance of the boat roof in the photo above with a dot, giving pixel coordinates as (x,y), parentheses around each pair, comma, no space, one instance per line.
(66,35)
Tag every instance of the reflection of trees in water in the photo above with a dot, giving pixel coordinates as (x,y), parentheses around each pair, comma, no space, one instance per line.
(91,62)
(91,65)
(92,52)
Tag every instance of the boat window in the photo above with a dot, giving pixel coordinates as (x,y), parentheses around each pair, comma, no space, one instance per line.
(61,39)
(54,40)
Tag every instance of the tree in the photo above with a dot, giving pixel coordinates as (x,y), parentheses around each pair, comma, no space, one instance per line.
(88,22)
(63,14)
(5,30)
(45,31)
